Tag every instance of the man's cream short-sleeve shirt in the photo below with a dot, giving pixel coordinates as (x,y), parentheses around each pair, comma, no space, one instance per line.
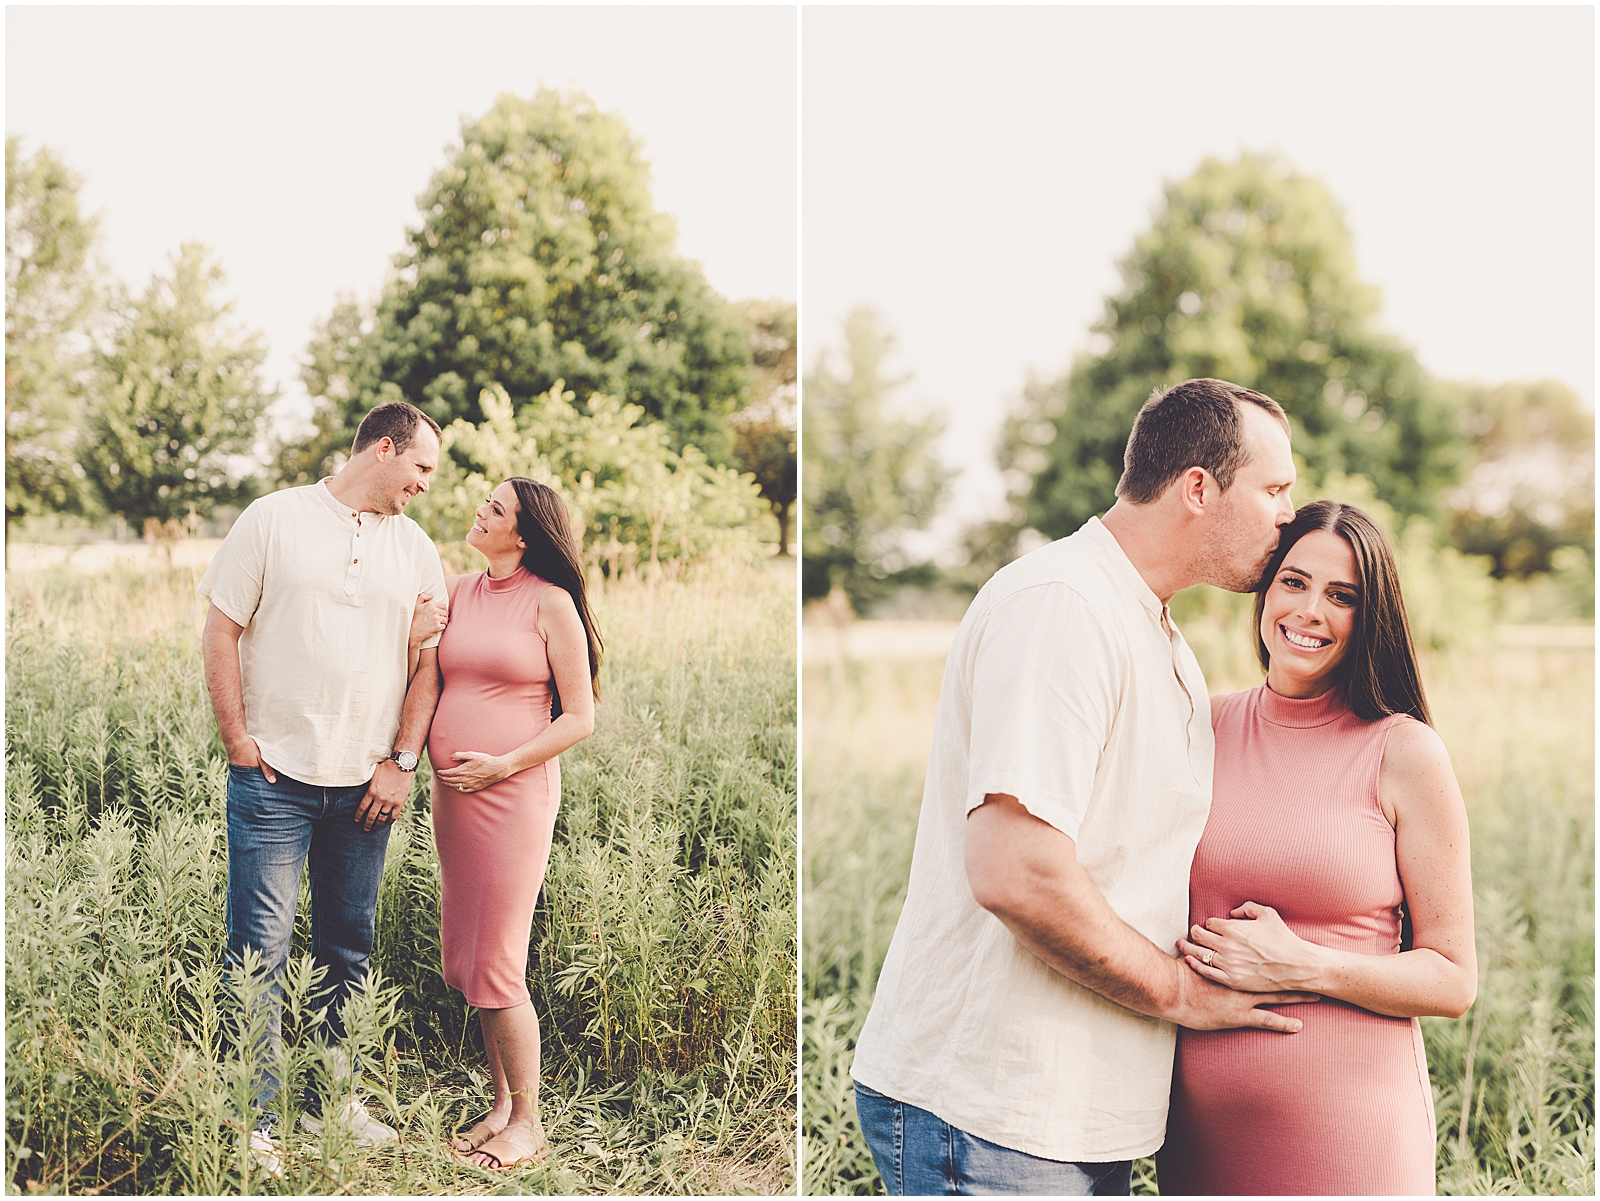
(1068,688)
(325,596)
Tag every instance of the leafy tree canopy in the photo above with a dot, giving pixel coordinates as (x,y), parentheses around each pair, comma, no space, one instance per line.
(635,502)
(50,297)
(540,256)
(1531,490)
(1247,274)
(180,397)
(765,440)
(870,476)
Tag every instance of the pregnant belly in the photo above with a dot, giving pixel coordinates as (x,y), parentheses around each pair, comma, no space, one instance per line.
(1343,1058)
(466,723)
(1341,1108)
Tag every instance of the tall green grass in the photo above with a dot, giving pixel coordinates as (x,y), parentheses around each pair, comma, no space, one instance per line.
(1513,1081)
(663,964)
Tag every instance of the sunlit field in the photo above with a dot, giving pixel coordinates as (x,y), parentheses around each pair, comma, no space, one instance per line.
(663,964)
(1513,1080)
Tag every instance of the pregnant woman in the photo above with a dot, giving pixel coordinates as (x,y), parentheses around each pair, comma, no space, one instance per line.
(520,636)
(1335,824)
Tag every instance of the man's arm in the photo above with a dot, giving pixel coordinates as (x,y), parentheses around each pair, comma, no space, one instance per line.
(1026,872)
(390,786)
(219,648)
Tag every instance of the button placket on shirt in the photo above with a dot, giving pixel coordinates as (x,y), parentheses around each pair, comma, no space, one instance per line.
(1173,645)
(1171,631)
(352,575)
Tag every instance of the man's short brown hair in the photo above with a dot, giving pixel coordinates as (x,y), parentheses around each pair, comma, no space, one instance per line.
(1192,424)
(397,421)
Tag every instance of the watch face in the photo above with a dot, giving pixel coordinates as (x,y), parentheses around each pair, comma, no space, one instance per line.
(407,760)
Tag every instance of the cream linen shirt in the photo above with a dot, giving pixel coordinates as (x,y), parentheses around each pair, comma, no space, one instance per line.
(1069,688)
(325,596)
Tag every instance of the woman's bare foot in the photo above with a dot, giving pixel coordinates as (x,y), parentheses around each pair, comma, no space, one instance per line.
(513,1147)
(491,1125)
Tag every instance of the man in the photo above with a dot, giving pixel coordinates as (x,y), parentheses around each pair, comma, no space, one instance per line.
(1022,1035)
(306,659)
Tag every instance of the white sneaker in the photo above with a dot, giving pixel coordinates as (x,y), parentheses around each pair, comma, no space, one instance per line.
(264,1155)
(361,1125)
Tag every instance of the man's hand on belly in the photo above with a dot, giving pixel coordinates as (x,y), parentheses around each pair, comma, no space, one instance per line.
(1026,872)
(386,796)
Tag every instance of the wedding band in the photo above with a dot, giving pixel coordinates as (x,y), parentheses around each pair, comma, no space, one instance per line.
(1208,957)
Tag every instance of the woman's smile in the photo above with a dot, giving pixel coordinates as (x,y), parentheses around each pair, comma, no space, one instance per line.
(1304,642)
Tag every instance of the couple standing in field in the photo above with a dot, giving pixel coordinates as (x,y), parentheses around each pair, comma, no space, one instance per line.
(1143,920)
(331,659)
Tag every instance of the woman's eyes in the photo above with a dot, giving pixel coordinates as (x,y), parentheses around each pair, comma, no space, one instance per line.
(1295,584)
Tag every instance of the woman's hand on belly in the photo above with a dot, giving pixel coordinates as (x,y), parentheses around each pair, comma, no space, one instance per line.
(475,771)
(1255,952)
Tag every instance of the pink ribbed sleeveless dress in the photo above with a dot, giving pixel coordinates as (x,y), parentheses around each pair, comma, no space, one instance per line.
(494,844)
(1344,1107)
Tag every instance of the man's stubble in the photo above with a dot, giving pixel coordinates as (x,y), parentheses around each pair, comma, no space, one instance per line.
(1230,555)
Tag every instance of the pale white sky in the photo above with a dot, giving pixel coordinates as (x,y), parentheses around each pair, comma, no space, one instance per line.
(294,141)
(976,173)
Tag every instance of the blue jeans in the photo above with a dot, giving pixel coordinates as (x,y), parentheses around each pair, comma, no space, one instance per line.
(921,1155)
(272,830)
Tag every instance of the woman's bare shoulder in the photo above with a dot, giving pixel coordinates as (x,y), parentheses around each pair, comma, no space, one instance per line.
(1415,749)
(557,611)
(1416,780)
(556,599)
(451,583)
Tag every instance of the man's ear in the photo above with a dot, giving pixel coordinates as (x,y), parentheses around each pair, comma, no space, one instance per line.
(1198,491)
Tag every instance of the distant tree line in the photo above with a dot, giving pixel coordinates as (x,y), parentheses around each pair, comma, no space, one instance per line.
(1247,273)
(539,263)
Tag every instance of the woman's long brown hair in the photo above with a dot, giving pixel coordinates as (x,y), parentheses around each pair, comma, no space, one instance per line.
(1379,673)
(550,552)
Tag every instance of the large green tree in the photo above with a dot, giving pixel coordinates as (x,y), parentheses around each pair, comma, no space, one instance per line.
(50,295)
(1530,491)
(181,400)
(1247,274)
(765,437)
(870,476)
(540,256)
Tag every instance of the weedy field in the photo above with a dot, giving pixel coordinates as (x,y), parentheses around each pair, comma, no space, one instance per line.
(1513,1080)
(664,945)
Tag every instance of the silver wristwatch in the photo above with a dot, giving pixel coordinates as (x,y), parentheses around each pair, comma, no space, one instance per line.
(404,760)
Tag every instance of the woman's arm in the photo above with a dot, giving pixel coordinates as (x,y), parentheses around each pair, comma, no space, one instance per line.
(1257,952)
(568,648)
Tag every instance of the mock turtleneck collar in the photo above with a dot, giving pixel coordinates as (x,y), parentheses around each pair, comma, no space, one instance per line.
(506,585)
(1303,714)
